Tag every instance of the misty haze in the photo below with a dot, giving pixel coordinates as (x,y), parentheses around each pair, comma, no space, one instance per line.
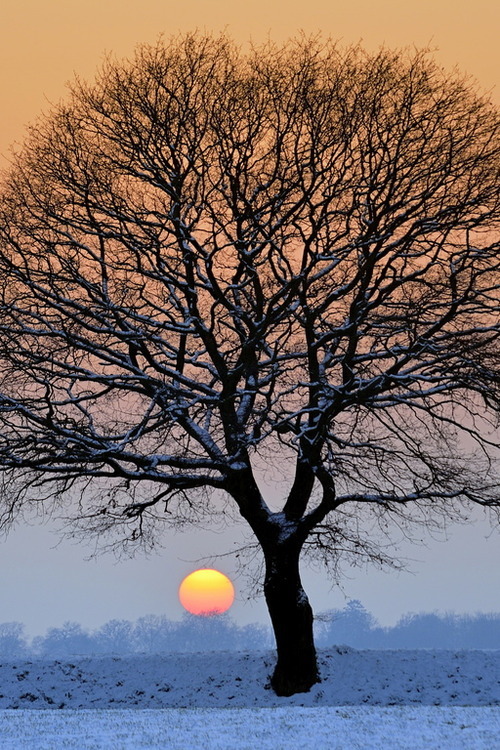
(352,626)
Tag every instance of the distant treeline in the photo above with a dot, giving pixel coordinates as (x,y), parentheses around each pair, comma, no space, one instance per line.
(355,626)
(352,626)
(151,634)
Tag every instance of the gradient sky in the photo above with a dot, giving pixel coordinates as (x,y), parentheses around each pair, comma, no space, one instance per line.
(43,45)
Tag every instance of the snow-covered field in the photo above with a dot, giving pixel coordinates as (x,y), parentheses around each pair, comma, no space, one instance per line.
(345,728)
(232,680)
(367,699)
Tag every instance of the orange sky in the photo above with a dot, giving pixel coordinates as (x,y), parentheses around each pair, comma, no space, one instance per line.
(44,43)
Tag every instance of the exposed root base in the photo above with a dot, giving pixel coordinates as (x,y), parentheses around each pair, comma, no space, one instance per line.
(286,685)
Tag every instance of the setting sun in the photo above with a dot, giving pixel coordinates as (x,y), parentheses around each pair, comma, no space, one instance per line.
(206,592)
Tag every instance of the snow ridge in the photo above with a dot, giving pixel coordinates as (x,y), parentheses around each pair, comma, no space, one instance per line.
(222,680)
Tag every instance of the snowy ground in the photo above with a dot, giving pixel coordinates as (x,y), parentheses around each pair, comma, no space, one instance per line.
(232,680)
(346,728)
(367,699)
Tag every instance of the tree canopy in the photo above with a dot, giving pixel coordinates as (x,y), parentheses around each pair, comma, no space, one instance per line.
(213,261)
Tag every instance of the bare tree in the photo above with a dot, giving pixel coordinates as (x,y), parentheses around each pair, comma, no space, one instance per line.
(215,261)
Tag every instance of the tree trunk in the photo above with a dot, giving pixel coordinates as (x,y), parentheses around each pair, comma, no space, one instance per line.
(296,669)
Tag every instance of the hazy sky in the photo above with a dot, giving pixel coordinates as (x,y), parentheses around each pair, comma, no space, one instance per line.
(43,44)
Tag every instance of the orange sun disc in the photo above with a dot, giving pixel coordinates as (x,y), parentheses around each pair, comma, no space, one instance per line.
(206,592)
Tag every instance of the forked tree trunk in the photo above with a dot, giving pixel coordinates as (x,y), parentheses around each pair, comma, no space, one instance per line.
(296,669)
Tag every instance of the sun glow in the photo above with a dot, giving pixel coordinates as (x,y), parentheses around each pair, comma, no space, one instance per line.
(206,592)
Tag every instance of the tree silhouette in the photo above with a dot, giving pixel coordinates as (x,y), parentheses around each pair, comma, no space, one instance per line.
(13,642)
(115,636)
(69,640)
(352,626)
(213,262)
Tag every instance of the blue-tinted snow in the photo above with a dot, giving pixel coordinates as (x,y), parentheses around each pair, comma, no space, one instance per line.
(228,680)
(382,700)
(353,727)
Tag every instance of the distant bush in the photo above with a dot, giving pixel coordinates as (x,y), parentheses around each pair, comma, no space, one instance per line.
(68,640)
(353,626)
(13,641)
